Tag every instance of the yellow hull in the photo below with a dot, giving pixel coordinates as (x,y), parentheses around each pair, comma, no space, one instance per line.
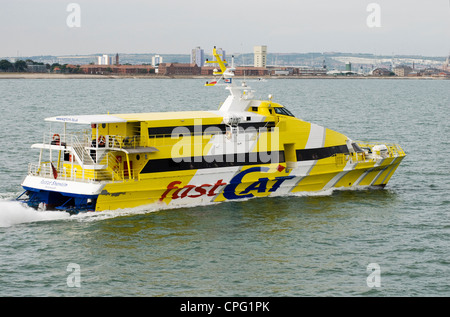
(200,187)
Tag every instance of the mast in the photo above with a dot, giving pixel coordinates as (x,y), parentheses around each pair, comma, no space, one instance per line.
(240,95)
(226,73)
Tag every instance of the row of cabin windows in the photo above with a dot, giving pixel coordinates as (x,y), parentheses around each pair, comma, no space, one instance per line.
(212,161)
(206,129)
(169,164)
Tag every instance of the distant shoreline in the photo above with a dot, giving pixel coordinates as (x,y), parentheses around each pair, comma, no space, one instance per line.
(91,76)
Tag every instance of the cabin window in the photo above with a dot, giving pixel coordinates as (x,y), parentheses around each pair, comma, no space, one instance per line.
(284,112)
(320,153)
(255,109)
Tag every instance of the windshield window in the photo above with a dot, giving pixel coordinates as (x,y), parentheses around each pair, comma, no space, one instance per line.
(283,111)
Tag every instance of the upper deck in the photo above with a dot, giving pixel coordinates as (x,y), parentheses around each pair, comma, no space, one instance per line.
(134,117)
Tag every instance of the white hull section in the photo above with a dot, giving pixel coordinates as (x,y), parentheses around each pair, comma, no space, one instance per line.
(63,186)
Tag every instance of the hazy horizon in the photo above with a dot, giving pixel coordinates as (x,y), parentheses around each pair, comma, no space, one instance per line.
(39,28)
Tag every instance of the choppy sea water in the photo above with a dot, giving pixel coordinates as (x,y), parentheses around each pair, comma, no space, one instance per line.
(308,245)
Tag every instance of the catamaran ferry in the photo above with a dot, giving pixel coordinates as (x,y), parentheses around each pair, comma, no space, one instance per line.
(247,148)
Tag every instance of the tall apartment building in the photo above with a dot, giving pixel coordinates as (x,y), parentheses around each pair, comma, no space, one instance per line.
(104,60)
(260,56)
(198,56)
(156,60)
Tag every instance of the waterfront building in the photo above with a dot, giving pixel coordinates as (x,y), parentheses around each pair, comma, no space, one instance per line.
(118,70)
(104,60)
(348,67)
(182,69)
(381,72)
(198,56)
(402,70)
(36,68)
(309,71)
(446,65)
(156,60)
(251,71)
(260,56)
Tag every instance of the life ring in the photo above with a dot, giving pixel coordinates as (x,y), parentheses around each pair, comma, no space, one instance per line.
(101,141)
(228,134)
(56,139)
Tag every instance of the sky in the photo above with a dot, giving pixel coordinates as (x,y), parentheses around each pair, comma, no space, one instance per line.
(395,27)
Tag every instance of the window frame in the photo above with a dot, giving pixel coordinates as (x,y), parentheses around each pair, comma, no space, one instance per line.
(283,111)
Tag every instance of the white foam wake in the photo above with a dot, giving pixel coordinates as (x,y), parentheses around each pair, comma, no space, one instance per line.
(13,213)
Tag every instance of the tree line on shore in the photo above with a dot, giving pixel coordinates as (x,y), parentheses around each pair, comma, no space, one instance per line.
(20,66)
